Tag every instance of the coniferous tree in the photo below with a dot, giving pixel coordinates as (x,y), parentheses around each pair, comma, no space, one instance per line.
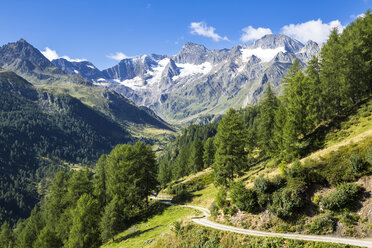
(6,236)
(31,229)
(196,156)
(279,123)
(295,100)
(147,168)
(99,181)
(317,99)
(84,231)
(331,75)
(180,168)
(265,132)
(209,151)
(165,173)
(47,239)
(230,157)
(110,221)
(79,184)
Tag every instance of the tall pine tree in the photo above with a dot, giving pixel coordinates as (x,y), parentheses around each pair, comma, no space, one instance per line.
(230,157)
(265,132)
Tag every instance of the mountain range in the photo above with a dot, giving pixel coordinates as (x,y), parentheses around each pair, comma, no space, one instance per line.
(29,63)
(198,83)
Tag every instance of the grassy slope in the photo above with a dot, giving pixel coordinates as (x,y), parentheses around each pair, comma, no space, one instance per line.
(355,129)
(153,228)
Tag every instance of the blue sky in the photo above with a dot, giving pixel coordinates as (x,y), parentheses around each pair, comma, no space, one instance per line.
(97,30)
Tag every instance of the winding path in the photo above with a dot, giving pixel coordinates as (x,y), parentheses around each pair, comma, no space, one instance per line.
(205,222)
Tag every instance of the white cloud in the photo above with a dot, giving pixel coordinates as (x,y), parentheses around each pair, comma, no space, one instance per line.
(314,30)
(357,16)
(52,55)
(201,28)
(251,33)
(117,56)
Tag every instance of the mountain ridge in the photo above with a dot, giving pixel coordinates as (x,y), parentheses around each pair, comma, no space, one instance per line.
(198,82)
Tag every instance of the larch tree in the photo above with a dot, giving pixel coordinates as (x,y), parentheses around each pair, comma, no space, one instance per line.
(230,157)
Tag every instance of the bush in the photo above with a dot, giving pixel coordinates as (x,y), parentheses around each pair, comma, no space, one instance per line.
(176,189)
(262,185)
(356,163)
(243,198)
(278,182)
(369,155)
(296,171)
(263,199)
(285,203)
(213,209)
(322,225)
(344,197)
(221,198)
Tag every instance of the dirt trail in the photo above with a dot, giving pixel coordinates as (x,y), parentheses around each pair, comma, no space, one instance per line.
(205,222)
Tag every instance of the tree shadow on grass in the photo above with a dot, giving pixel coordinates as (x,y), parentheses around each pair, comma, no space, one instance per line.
(135,234)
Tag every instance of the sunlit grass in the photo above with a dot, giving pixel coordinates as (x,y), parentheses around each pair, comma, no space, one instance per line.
(153,228)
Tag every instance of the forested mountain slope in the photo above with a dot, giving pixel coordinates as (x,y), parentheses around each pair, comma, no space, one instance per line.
(38,127)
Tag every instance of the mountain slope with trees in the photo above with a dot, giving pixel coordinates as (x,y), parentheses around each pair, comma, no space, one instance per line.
(39,131)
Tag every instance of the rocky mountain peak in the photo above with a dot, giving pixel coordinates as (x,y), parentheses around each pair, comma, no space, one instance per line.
(191,53)
(272,41)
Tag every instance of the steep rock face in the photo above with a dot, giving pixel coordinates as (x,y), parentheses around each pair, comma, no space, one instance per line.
(198,82)
(84,69)
(27,61)
(22,57)
(129,68)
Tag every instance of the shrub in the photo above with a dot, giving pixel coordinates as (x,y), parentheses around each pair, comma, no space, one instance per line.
(322,225)
(356,163)
(263,199)
(243,198)
(369,155)
(262,185)
(285,203)
(296,171)
(177,229)
(213,209)
(344,196)
(221,198)
(278,182)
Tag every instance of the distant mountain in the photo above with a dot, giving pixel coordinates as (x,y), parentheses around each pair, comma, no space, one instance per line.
(74,79)
(198,83)
(84,69)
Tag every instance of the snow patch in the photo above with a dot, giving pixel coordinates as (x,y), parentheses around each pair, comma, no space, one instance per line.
(133,83)
(191,69)
(90,66)
(157,71)
(76,71)
(264,54)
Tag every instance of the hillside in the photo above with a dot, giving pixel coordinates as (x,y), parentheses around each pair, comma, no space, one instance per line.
(39,129)
(300,162)
(203,193)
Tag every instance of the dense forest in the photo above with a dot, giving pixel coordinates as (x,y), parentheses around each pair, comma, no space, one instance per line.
(83,209)
(39,132)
